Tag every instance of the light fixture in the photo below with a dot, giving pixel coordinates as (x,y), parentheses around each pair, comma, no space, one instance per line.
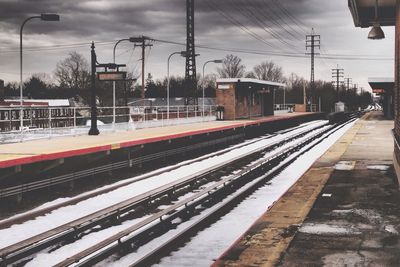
(376,32)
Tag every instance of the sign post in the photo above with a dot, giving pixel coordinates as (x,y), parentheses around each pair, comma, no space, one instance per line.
(105,75)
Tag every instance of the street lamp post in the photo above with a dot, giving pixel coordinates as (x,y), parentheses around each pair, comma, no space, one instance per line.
(44,17)
(183,54)
(216,61)
(131,39)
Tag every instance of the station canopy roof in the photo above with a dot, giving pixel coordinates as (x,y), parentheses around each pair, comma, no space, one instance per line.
(381,85)
(250,80)
(363,12)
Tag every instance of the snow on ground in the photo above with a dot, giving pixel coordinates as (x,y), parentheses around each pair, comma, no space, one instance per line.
(17,233)
(345,165)
(210,243)
(378,167)
(327,229)
(43,133)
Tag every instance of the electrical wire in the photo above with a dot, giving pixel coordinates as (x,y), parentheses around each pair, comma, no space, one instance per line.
(270,53)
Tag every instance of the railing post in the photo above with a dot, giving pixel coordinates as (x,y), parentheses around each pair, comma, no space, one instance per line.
(50,122)
(74,110)
(21,117)
(178,113)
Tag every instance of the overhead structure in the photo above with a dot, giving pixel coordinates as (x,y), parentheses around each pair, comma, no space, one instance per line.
(364,15)
(313,41)
(190,72)
(337,80)
(364,12)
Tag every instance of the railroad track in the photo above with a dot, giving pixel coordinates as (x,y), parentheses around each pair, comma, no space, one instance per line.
(159,221)
(40,212)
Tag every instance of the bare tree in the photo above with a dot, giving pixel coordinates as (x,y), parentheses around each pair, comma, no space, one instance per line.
(232,67)
(268,71)
(73,72)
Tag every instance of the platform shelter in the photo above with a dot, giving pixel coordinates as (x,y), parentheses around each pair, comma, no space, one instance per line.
(245,98)
(384,88)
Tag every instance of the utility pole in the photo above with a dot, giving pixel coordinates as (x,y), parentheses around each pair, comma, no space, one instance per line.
(337,79)
(190,72)
(355,95)
(348,81)
(313,41)
(142,42)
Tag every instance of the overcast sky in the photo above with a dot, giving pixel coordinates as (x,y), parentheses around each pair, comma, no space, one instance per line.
(264,26)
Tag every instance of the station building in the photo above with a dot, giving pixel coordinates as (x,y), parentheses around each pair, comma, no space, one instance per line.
(364,15)
(245,98)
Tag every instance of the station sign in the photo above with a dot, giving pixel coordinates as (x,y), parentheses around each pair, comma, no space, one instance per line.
(112,76)
(378,91)
(224,86)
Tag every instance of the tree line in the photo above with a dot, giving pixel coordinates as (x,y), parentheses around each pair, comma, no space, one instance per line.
(72,80)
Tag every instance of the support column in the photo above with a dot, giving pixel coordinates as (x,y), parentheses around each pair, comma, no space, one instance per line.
(396,91)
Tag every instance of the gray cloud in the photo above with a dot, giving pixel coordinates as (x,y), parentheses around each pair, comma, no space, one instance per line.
(243,24)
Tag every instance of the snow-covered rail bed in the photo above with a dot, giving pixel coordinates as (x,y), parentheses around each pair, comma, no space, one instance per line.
(57,204)
(89,229)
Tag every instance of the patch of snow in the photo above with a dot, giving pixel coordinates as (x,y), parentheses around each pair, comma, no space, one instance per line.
(391,229)
(378,167)
(348,258)
(327,229)
(344,165)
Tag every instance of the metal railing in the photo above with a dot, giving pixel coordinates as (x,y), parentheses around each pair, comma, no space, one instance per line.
(284,107)
(291,107)
(48,122)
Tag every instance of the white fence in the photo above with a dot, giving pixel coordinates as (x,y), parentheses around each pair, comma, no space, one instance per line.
(45,122)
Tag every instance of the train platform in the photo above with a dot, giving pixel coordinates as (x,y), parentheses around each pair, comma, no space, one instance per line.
(28,152)
(344,211)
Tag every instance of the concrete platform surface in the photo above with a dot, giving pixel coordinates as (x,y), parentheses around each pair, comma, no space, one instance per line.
(343,212)
(49,149)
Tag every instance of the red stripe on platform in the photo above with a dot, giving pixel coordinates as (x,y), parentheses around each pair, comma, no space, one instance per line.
(85,151)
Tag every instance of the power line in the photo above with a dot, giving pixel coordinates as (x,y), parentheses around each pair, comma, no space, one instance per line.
(274,13)
(238,24)
(270,53)
(296,21)
(262,19)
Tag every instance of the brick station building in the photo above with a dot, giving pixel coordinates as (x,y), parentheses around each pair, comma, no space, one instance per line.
(363,12)
(244,98)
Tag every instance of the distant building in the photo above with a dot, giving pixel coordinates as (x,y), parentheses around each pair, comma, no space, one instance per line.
(244,98)
(37,113)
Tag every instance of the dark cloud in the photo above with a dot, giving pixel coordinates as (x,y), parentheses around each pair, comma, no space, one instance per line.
(267,25)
